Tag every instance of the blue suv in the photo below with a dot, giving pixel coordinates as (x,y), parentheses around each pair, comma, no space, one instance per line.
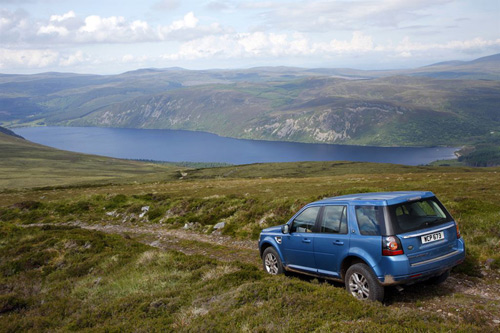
(368,241)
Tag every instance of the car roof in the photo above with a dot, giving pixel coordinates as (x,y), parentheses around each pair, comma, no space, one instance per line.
(378,198)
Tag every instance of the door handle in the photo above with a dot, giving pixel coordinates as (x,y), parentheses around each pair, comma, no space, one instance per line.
(337,242)
(305,240)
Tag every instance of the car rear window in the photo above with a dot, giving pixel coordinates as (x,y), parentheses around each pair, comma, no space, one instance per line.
(415,215)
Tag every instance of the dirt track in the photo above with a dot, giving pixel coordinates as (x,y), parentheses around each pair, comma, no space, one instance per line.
(466,298)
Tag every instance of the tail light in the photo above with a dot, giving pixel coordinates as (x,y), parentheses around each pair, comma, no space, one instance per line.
(458,230)
(391,246)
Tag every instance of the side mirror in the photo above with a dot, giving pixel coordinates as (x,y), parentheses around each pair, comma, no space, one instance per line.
(285,228)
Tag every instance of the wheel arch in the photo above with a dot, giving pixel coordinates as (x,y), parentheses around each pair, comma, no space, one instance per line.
(348,262)
(264,246)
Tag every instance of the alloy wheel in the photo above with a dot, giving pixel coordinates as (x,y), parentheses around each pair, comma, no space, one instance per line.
(271,263)
(358,286)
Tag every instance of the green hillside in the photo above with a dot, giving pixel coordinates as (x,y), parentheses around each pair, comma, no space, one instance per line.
(399,111)
(451,103)
(112,245)
(24,164)
(96,244)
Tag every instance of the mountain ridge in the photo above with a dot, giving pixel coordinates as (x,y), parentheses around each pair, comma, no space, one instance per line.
(442,104)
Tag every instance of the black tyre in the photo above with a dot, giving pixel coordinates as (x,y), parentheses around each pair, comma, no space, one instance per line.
(438,279)
(363,284)
(272,262)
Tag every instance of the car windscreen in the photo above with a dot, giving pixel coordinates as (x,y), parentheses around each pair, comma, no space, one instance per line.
(416,215)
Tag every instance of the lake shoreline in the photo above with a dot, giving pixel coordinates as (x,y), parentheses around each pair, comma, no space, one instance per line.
(23,126)
(184,146)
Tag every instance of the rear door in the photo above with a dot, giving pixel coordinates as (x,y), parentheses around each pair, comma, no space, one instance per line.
(427,247)
(332,241)
(298,245)
(431,235)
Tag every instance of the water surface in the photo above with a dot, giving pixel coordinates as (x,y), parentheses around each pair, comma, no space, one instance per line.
(187,146)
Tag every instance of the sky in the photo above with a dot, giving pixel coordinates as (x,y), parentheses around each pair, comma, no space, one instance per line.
(110,37)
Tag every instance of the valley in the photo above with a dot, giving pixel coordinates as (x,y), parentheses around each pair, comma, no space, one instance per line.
(449,104)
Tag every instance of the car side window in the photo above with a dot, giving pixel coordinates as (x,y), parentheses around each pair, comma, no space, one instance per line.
(369,219)
(305,221)
(334,220)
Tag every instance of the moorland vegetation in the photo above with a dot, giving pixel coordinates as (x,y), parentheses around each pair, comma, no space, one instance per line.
(57,274)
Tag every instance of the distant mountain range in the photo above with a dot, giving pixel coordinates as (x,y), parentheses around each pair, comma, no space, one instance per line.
(448,103)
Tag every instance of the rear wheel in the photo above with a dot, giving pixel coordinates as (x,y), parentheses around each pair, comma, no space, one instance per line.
(363,284)
(272,262)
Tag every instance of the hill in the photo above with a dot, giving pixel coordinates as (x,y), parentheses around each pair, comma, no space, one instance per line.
(485,68)
(9,132)
(400,111)
(144,255)
(450,103)
(26,165)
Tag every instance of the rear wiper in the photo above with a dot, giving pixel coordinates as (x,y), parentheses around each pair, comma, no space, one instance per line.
(439,219)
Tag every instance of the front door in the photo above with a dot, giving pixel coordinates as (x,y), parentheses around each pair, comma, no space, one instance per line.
(298,245)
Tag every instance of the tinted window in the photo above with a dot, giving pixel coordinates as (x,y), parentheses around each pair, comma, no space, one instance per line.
(334,220)
(418,215)
(305,221)
(370,219)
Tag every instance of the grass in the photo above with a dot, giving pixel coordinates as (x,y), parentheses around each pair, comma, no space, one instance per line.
(83,280)
(56,278)
(27,165)
(247,203)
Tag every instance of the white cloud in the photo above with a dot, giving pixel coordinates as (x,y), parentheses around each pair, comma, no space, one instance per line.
(323,16)
(114,29)
(260,44)
(52,29)
(41,58)
(128,58)
(27,58)
(68,28)
(64,17)
(73,59)
(305,32)
(406,47)
(189,21)
(271,45)
(188,29)
(359,43)
(14,26)
(59,26)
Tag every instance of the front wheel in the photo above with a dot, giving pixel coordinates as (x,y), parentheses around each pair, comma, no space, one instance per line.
(272,262)
(363,284)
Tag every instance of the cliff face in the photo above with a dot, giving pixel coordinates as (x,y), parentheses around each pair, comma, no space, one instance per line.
(389,111)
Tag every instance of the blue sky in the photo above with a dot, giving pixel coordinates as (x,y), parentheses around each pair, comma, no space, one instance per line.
(107,37)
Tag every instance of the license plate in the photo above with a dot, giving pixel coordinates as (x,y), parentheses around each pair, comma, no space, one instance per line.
(432,237)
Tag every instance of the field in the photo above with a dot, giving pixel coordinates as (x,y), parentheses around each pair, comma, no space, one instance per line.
(140,253)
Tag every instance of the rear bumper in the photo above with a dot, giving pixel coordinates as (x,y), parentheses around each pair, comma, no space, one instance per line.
(398,270)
